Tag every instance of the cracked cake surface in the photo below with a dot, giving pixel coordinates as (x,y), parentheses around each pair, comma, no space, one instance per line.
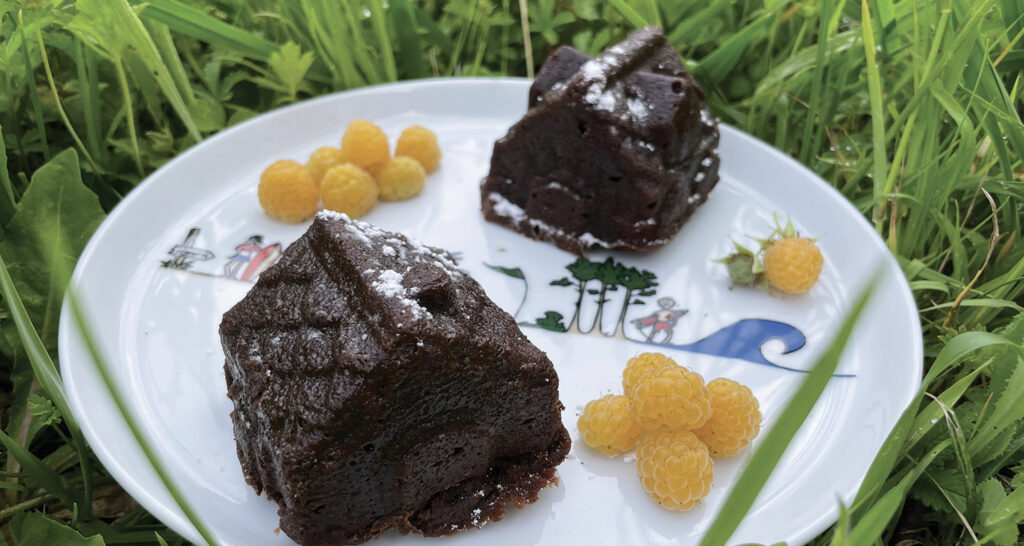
(615,151)
(376,386)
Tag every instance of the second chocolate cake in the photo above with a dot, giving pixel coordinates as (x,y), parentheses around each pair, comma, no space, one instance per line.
(615,151)
(376,386)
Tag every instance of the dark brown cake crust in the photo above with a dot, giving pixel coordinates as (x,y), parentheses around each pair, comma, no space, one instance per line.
(376,387)
(616,151)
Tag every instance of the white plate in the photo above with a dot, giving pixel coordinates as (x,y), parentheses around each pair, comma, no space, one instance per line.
(158,326)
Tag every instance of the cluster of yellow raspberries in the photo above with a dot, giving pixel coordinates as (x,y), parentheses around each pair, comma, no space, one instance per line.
(352,178)
(678,422)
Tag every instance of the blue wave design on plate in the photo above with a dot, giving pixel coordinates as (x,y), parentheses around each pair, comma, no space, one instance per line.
(743,340)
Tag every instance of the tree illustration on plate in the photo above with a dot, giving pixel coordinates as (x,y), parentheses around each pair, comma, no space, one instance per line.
(612,275)
(583,271)
(636,282)
(608,273)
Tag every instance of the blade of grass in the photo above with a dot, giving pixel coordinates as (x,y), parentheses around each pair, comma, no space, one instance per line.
(33,94)
(878,149)
(89,88)
(524,23)
(962,457)
(410,59)
(169,54)
(46,477)
(820,74)
(46,374)
(792,417)
(192,22)
(953,353)
(629,13)
(717,65)
(126,95)
(870,528)
(60,107)
(129,418)
(8,203)
(380,27)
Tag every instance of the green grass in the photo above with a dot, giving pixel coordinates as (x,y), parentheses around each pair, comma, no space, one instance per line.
(911,108)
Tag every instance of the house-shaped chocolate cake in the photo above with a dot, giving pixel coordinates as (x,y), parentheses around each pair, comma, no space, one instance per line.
(376,386)
(615,151)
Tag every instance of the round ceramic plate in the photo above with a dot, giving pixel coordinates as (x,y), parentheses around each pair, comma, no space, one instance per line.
(188,243)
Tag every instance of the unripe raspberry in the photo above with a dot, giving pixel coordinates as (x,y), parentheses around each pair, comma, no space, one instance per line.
(608,424)
(792,265)
(641,365)
(671,396)
(322,160)
(287,191)
(349,189)
(364,144)
(735,418)
(675,468)
(400,178)
(420,144)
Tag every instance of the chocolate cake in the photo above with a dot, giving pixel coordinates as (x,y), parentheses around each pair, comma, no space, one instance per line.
(615,151)
(376,386)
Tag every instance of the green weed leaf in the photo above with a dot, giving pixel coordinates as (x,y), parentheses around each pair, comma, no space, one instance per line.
(57,208)
(289,65)
(35,529)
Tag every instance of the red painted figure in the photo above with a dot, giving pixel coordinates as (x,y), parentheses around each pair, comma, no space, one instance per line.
(661,320)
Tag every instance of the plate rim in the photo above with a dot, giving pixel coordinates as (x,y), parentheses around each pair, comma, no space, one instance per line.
(69,339)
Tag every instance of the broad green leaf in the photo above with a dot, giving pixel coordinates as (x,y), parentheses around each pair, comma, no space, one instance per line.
(56,212)
(36,529)
(1007,410)
(96,30)
(1001,526)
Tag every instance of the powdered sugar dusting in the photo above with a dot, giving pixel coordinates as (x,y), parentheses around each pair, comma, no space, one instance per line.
(507,209)
(389,285)
(706,118)
(637,108)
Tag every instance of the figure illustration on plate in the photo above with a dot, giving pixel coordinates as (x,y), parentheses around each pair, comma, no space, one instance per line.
(185,254)
(251,258)
(661,320)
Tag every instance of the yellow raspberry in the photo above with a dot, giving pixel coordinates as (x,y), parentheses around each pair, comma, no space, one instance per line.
(641,365)
(349,189)
(675,468)
(322,160)
(608,424)
(735,418)
(792,265)
(287,191)
(671,396)
(364,144)
(420,144)
(400,178)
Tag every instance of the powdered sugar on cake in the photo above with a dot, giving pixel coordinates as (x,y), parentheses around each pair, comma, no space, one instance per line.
(507,209)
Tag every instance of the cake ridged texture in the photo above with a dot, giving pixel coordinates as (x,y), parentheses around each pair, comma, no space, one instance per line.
(616,151)
(376,386)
